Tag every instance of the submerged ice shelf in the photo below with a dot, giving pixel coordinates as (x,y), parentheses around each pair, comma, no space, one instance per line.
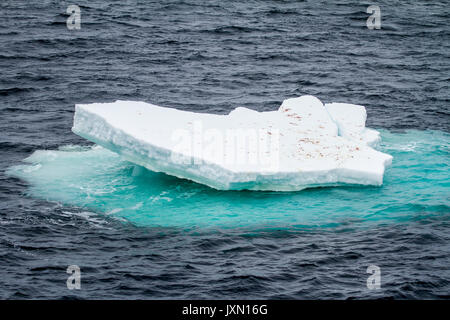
(303,144)
(96,180)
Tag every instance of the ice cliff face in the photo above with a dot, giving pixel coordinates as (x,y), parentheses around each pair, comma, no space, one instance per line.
(303,144)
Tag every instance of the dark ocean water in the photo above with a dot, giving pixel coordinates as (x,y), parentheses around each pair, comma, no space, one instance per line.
(212,56)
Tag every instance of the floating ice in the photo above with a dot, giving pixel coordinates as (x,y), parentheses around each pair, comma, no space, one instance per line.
(302,144)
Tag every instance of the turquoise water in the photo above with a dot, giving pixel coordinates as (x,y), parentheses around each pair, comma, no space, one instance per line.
(95,179)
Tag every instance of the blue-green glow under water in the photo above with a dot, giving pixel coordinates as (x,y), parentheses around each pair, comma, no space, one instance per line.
(416,185)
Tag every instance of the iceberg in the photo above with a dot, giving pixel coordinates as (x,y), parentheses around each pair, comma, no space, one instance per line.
(303,144)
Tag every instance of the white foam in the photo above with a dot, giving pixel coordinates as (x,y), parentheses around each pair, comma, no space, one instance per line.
(302,144)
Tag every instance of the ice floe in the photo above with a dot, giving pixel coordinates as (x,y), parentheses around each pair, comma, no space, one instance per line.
(302,144)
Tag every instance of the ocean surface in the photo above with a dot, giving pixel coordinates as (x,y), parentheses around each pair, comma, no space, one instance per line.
(136,234)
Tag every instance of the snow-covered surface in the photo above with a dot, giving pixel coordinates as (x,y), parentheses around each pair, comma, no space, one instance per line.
(351,122)
(302,144)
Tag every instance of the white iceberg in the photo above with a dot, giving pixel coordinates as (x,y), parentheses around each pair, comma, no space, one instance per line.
(303,144)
